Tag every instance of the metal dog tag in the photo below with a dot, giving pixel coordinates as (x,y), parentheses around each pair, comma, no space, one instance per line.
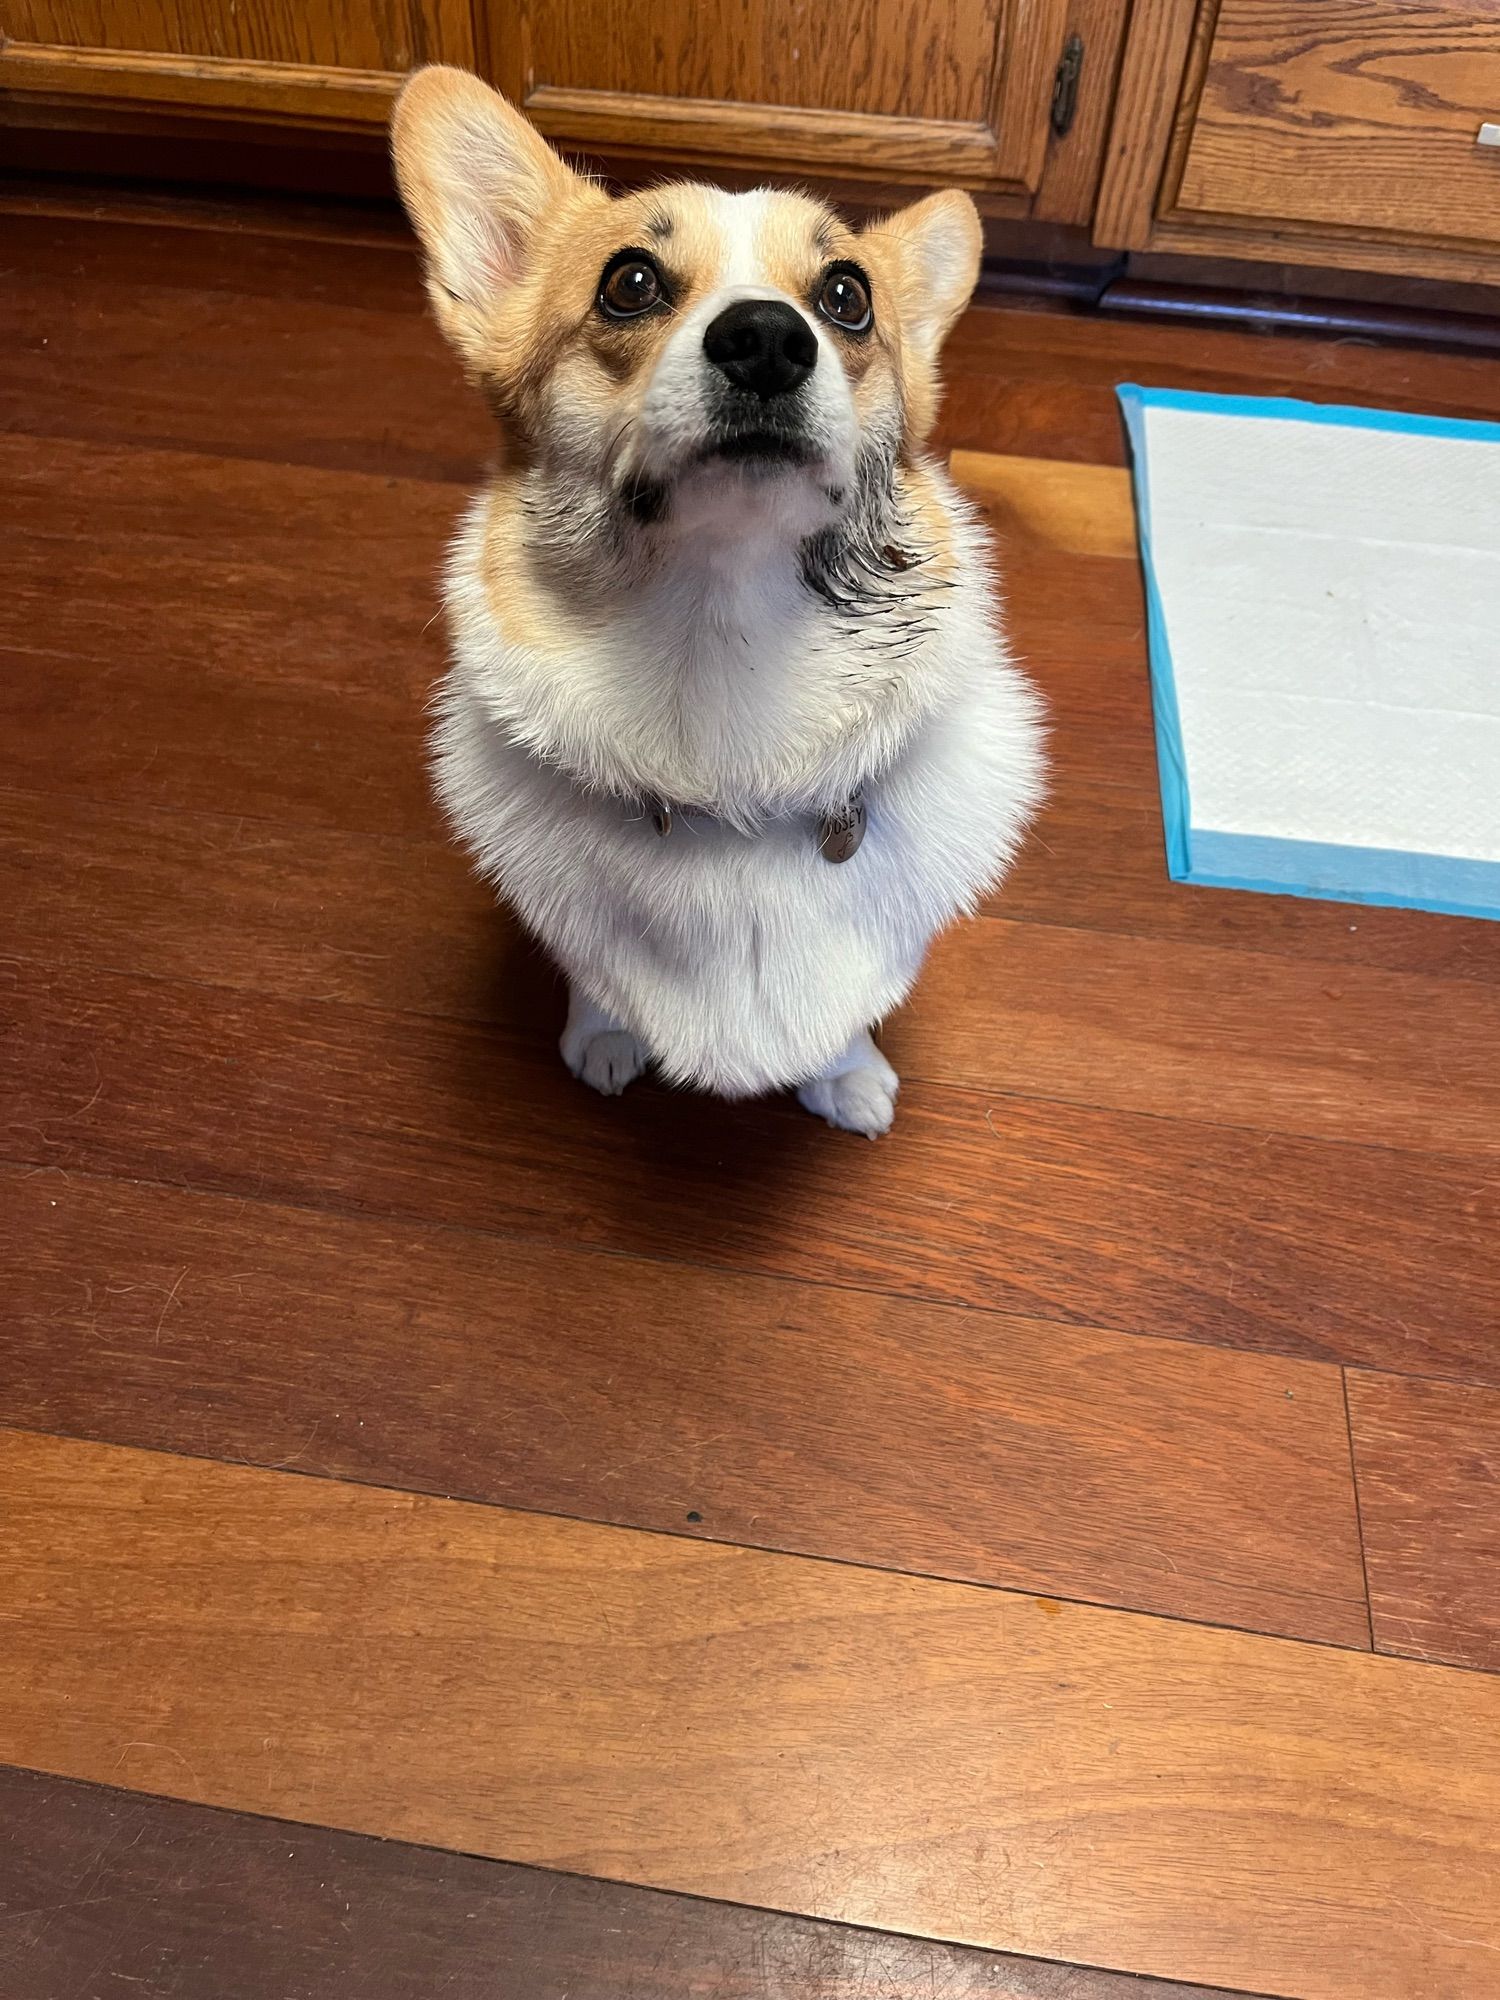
(839,834)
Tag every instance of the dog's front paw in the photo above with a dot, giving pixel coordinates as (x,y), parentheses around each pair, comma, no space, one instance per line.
(606,1061)
(860,1098)
(598,1050)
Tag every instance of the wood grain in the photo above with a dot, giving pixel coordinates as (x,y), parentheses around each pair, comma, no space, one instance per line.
(924,149)
(1252,1038)
(241,588)
(1095,862)
(366,870)
(295,1178)
(321,97)
(274,631)
(932,60)
(1084,509)
(293,325)
(1187,1030)
(1360,114)
(1143,1222)
(267,659)
(1093,352)
(394,36)
(1156,46)
(1074,161)
(1427,1458)
(319,367)
(319,66)
(1072,1461)
(831,1741)
(103,1888)
(1296,246)
(957,89)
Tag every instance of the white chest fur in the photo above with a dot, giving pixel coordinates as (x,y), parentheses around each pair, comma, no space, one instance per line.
(733,950)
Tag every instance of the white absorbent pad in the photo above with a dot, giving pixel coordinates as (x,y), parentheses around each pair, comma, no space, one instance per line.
(1323,591)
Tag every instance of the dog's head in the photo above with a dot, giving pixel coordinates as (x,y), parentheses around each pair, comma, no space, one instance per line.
(669,346)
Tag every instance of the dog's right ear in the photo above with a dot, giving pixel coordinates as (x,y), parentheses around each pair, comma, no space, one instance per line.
(477,180)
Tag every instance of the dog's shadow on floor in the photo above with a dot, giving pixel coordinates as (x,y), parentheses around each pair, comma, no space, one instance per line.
(660,1171)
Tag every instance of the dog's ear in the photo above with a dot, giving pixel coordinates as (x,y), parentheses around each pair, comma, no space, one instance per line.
(936,245)
(477,181)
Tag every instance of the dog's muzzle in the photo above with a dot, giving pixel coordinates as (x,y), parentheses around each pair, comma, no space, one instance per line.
(763,351)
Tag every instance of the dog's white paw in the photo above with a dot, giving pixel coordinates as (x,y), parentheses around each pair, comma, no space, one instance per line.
(599,1051)
(607,1061)
(858,1095)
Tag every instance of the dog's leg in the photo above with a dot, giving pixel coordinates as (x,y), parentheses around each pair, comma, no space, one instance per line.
(857,1093)
(598,1050)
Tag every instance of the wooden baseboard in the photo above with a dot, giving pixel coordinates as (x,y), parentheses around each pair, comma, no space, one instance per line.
(1335,318)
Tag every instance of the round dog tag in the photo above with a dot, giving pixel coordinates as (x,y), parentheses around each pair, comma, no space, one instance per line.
(839,834)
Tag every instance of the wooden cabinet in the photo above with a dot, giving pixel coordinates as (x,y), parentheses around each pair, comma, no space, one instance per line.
(1347,132)
(1361,115)
(877,92)
(322,65)
(955,90)
(1310,132)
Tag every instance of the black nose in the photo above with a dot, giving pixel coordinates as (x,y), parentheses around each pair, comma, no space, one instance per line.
(762,346)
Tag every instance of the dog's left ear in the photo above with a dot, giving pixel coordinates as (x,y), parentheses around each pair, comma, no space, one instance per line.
(478,183)
(936,245)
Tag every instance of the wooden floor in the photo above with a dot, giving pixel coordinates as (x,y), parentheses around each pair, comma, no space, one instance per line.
(709,1556)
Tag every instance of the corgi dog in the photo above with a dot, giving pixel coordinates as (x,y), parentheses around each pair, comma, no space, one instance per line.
(731,722)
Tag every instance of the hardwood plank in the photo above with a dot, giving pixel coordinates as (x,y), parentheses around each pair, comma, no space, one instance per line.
(224,565)
(1094,861)
(1079,1463)
(222,645)
(1185,1029)
(1427,1459)
(299,911)
(324,379)
(1145,1223)
(1015,388)
(265,245)
(1031,414)
(100,1887)
(307,332)
(209,649)
(831,1741)
(1083,509)
(247,738)
(1093,350)
(363,915)
(332,360)
(1035,1008)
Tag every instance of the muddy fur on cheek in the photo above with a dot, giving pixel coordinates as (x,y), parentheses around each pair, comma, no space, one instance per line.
(882,557)
(881,570)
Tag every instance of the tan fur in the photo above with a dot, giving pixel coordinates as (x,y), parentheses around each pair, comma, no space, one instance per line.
(524,323)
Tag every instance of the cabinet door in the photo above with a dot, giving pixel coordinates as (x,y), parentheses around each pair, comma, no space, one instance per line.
(1359,114)
(955,90)
(315,62)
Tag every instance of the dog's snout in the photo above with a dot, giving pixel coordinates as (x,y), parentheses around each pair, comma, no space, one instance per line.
(762,346)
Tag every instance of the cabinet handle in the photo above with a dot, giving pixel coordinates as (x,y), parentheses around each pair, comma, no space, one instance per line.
(1488,135)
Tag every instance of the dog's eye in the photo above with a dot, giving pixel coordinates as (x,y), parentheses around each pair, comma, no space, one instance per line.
(630,285)
(845,299)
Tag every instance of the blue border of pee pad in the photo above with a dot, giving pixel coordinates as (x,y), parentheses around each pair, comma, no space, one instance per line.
(1253,861)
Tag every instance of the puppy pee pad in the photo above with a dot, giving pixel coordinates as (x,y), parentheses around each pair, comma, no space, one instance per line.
(1323,592)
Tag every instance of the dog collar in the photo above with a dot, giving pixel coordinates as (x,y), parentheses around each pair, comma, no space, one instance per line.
(839,833)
